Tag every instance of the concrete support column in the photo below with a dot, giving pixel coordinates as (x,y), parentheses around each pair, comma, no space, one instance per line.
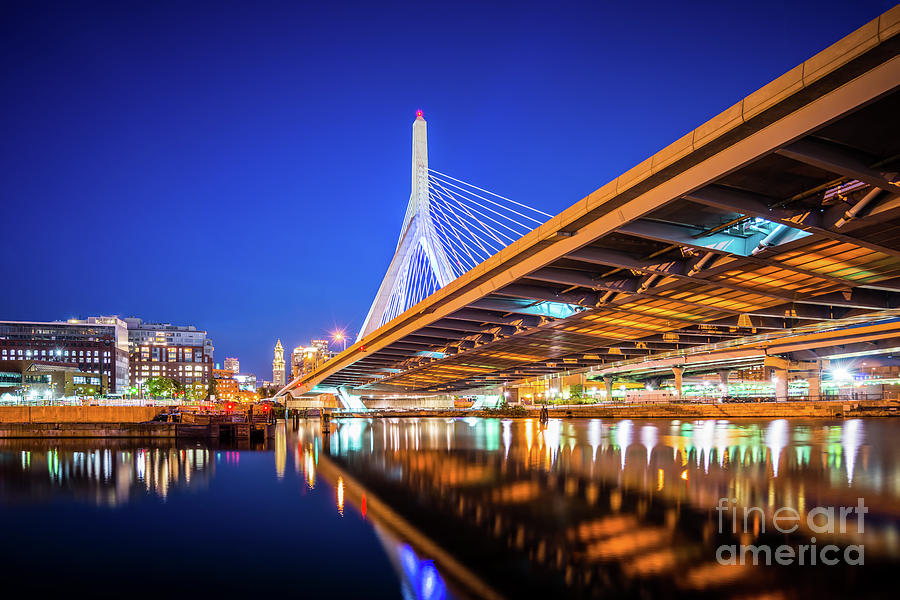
(678,372)
(608,382)
(781,383)
(815,385)
(723,380)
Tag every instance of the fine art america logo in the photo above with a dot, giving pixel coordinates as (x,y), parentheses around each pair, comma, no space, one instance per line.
(822,520)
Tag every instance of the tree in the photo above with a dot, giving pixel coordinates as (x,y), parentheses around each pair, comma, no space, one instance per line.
(211,389)
(195,392)
(161,387)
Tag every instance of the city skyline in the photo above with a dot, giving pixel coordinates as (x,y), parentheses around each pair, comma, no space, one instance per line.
(235,115)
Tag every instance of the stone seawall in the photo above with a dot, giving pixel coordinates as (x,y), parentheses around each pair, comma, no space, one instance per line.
(87,430)
(78,414)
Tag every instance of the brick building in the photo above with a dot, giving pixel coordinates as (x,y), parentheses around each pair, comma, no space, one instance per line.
(98,348)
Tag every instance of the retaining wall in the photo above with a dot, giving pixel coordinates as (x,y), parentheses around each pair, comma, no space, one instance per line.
(78,414)
(87,430)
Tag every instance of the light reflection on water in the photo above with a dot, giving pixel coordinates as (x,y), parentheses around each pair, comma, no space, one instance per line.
(639,495)
(102,472)
(575,507)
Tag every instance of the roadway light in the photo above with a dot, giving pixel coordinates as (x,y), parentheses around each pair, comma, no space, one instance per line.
(340,338)
(840,374)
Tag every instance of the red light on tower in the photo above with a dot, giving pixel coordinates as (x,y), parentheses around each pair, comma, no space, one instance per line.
(419,114)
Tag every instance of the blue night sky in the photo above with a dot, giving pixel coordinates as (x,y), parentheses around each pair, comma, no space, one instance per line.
(244,166)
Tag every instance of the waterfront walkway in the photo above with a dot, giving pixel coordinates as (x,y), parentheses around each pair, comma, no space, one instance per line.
(803,409)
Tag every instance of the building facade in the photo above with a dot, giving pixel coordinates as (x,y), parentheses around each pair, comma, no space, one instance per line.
(227,386)
(233,364)
(247,383)
(322,347)
(278,365)
(31,380)
(305,359)
(93,348)
(297,361)
(182,353)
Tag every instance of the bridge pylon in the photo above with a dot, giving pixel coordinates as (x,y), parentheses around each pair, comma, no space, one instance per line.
(420,264)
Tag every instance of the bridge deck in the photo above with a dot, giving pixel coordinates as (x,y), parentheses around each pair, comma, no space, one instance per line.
(781,212)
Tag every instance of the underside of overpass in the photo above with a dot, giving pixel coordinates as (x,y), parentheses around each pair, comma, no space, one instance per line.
(783,212)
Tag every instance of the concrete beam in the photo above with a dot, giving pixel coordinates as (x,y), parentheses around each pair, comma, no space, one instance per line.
(534,292)
(613,258)
(837,159)
(441,333)
(856,298)
(483,314)
(755,205)
(460,325)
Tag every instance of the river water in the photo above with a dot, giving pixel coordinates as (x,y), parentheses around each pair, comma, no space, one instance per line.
(463,508)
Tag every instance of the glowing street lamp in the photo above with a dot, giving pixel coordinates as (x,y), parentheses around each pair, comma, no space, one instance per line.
(340,338)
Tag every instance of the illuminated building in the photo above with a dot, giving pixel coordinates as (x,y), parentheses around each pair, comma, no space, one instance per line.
(233,364)
(32,380)
(182,353)
(305,359)
(247,383)
(297,361)
(278,365)
(97,346)
(226,385)
(324,353)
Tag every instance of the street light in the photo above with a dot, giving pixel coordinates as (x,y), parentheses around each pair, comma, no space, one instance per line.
(340,338)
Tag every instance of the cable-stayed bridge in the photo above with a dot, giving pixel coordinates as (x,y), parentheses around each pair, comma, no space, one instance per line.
(450,227)
(779,215)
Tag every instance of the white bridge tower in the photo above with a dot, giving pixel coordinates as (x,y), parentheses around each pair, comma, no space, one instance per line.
(420,264)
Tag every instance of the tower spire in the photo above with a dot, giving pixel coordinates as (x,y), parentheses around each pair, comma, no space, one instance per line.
(278,365)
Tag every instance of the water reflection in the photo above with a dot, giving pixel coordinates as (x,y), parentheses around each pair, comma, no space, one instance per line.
(590,506)
(106,472)
(487,508)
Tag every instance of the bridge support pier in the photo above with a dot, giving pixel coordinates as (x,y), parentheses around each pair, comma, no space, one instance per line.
(723,380)
(348,400)
(608,382)
(678,372)
(815,385)
(780,378)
